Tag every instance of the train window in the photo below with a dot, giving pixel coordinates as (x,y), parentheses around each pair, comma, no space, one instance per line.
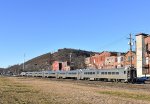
(73,73)
(124,72)
(93,72)
(113,73)
(102,72)
(106,73)
(117,73)
(109,73)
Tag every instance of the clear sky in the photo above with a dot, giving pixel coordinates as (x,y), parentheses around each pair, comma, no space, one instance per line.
(35,27)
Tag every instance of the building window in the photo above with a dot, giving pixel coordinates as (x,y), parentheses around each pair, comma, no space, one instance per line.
(129,58)
(94,61)
(121,65)
(121,58)
(115,59)
(132,58)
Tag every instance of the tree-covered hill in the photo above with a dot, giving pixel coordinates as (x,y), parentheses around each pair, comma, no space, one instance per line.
(44,62)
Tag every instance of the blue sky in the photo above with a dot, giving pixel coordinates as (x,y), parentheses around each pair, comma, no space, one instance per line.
(35,27)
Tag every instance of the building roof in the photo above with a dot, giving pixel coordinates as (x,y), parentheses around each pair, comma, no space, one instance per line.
(129,51)
(112,53)
(142,34)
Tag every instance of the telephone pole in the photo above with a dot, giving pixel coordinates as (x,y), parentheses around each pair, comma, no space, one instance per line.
(70,56)
(131,44)
(24,62)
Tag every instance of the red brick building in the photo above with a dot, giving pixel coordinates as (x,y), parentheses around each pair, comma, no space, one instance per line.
(111,60)
(147,55)
(56,65)
(121,60)
(59,65)
(127,61)
(98,61)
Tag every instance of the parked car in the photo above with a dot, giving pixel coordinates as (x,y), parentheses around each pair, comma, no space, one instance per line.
(142,79)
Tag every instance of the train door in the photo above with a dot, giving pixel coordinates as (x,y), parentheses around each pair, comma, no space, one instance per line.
(132,74)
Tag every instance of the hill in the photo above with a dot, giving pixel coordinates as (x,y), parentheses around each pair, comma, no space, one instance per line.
(1,70)
(44,62)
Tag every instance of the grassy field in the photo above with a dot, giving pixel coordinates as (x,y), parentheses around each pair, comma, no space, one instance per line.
(15,90)
(12,92)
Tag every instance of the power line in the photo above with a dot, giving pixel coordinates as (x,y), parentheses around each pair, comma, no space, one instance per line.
(113,42)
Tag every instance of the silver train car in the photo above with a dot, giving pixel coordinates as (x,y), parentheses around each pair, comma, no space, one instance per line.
(116,75)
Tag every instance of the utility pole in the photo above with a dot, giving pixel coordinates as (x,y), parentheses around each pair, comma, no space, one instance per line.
(70,57)
(70,61)
(130,43)
(24,62)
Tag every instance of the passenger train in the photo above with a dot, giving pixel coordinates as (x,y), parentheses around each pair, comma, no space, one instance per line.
(117,75)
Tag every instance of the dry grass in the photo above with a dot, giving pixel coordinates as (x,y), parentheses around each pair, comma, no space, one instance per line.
(41,91)
(123,94)
(16,93)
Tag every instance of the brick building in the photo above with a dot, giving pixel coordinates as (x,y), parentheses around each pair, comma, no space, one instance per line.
(147,55)
(140,58)
(59,65)
(88,62)
(115,61)
(127,59)
(111,62)
(98,60)
(120,61)
(65,66)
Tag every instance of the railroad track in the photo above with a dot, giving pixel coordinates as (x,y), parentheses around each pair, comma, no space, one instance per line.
(147,82)
(100,84)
